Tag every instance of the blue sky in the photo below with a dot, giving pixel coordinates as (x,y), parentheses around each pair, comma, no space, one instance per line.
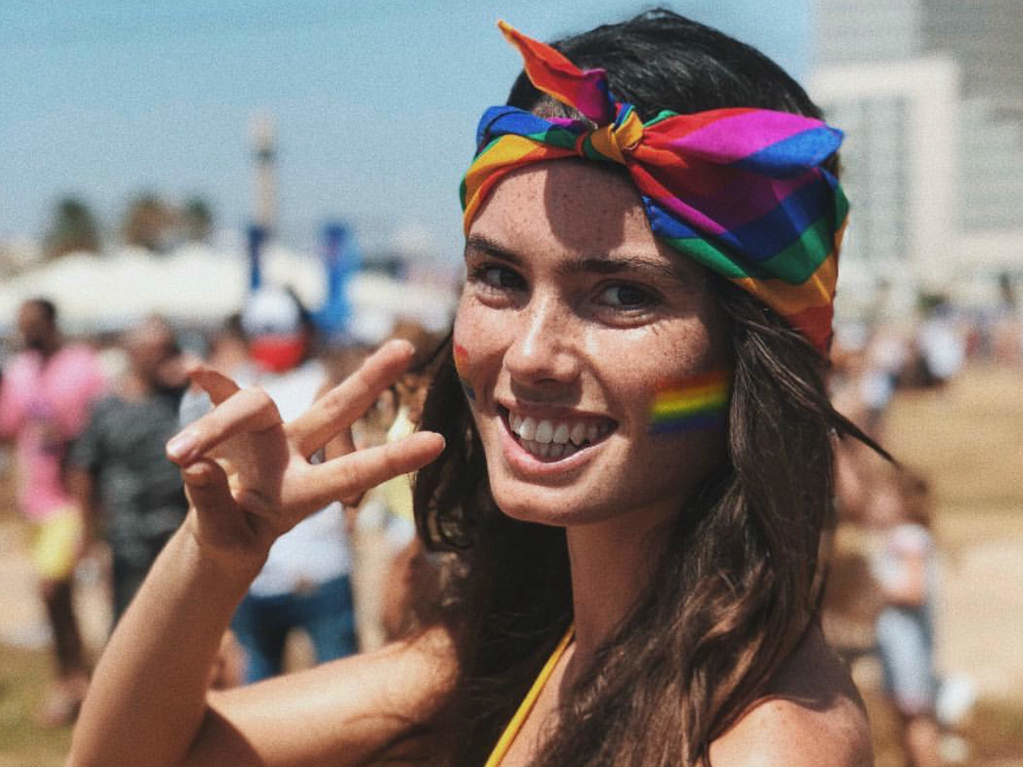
(375,103)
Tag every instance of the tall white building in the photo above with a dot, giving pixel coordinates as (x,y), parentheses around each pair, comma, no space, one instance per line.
(924,90)
(984,37)
(858,31)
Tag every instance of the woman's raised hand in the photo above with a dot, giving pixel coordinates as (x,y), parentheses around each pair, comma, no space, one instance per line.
(248,475)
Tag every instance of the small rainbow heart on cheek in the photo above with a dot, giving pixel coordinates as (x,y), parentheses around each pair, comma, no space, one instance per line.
(461,366)
(699,402)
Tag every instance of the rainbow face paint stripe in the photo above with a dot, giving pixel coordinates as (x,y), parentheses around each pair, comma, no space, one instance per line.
(698,403)
(461,364)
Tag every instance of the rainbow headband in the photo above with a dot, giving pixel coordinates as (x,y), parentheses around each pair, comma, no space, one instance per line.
(739,190)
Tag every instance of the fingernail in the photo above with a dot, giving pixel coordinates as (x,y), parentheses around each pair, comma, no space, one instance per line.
(181,445)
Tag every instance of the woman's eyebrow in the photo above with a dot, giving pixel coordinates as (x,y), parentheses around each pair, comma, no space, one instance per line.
(601,265)
(492,248)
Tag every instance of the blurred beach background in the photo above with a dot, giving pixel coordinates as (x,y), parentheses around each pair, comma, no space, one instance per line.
(170,157)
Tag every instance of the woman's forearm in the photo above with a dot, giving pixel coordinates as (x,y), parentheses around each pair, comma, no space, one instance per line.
(148,694)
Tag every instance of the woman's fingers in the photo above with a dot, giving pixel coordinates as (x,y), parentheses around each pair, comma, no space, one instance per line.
(218,386)
(346,402)
(209,492)
(247,410)
(350,475)
(342,444)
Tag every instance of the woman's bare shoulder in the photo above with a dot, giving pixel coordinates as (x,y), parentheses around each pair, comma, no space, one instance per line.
(812,714)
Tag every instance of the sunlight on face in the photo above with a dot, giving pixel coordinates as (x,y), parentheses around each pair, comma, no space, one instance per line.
(573,318)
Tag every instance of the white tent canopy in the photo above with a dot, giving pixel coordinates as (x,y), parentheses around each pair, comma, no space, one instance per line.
(200,286)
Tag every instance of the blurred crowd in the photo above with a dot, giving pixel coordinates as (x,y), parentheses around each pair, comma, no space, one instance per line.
(892,504)
(87,423)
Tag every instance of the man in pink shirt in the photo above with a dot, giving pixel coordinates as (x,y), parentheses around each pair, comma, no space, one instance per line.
(45,395)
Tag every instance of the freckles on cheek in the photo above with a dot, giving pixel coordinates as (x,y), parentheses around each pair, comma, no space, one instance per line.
(693,403)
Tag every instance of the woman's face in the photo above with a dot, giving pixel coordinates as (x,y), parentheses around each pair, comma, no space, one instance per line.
(572,319)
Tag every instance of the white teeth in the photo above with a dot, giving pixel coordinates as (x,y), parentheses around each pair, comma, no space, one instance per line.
(527,428)
(544,431)
(547,439)
(578,433)
(551,451)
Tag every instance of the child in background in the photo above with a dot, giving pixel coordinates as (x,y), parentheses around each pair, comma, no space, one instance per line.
(904,568)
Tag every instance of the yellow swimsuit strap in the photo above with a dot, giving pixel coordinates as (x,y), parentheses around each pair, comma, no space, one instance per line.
(512,729)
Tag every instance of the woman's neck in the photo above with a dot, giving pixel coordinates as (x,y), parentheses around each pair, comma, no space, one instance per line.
(611,565)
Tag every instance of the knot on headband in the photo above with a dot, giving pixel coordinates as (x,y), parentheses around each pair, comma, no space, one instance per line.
(740,190)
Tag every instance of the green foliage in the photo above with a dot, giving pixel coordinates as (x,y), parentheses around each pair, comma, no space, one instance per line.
(72,228)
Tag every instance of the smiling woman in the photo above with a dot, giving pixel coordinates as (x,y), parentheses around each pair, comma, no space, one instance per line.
(647,457)
(560,339)
(635,482)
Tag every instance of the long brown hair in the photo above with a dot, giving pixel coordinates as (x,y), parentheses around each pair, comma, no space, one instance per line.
(741,577)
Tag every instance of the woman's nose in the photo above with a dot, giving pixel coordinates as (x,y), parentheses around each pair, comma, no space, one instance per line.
(543,348)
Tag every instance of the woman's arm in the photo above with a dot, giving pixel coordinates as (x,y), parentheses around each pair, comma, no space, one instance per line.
(248,480)
(148,693)
(149,702)
(357,710)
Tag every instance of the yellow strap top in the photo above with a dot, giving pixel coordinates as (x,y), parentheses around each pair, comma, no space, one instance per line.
(512,729)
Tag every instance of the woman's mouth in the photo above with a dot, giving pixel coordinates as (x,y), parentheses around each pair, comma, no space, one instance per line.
(555,439)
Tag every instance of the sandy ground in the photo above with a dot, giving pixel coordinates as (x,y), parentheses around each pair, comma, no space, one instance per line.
(22,620)
(979,618)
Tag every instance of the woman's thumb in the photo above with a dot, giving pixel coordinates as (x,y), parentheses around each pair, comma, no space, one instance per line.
(206,485)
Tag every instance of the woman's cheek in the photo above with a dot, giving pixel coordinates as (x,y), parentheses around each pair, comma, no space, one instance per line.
(462,368)
(466,351)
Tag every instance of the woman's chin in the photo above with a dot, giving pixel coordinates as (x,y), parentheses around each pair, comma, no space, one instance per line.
(547,506)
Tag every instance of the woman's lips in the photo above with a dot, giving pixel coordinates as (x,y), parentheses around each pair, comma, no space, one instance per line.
(555,439)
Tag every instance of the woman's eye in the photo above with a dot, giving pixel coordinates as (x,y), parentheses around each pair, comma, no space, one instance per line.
(498,277)
(625,296)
